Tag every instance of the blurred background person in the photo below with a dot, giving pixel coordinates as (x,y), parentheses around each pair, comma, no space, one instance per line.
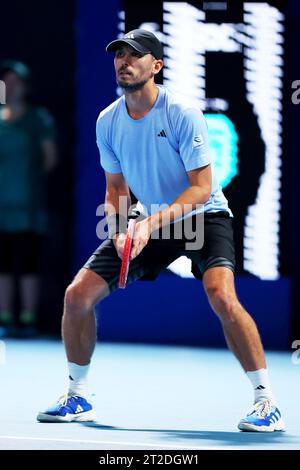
(27,153)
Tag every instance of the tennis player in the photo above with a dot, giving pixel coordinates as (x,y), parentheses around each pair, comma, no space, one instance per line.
(157,146)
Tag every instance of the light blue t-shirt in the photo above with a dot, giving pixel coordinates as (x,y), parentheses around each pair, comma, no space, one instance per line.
(155,153)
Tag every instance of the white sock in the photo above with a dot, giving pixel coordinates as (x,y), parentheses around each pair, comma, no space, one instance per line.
(261,385)
(78,379)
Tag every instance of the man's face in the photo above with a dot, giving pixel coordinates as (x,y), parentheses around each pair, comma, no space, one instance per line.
(133,69)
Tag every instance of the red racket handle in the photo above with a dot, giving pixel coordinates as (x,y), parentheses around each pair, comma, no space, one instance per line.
(126,254)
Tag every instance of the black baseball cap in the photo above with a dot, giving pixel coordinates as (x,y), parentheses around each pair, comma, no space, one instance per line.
(141,40)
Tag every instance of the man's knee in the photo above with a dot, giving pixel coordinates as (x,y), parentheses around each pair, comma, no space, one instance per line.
(223,302)
(79,297)
(76,299)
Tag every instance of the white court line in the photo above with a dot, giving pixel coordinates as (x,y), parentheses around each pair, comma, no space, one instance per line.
(143,444)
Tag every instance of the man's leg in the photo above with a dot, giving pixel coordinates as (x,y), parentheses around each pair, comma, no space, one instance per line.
(239,328)
(79,336)
(79,323)
(243,339)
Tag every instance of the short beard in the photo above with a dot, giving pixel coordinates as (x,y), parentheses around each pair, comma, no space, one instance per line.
(132,87)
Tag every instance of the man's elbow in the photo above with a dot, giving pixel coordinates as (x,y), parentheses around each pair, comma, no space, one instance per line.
(205,193)
(114,193)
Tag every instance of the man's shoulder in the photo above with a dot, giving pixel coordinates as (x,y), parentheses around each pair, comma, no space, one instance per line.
(107,113)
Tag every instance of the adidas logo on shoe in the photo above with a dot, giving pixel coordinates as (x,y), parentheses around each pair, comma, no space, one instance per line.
(79,409)
(263,417)
(68,408)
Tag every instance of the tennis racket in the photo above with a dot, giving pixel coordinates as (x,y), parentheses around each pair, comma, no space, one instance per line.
(126,254)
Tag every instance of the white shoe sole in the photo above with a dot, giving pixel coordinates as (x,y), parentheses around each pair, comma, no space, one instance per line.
(278,426)
(69,418)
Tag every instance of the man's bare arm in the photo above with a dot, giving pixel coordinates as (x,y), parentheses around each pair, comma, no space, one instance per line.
(198,193)
(116,187)
(117,201)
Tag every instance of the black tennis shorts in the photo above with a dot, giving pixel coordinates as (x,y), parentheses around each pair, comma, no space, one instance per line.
(217,250)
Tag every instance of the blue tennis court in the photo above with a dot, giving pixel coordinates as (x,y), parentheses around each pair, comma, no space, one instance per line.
(146,397)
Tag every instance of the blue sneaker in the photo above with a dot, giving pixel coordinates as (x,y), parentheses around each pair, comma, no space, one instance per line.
(68,408)
(264,417)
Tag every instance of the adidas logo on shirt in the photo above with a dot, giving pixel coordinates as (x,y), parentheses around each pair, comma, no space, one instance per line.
(162,134)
